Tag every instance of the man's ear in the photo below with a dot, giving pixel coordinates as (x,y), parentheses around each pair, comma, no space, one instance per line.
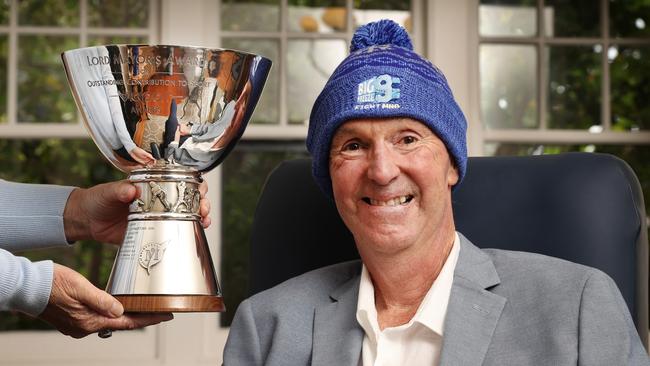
(452,175)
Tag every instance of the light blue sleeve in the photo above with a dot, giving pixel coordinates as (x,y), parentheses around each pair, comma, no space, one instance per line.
(31,215)
(24,286)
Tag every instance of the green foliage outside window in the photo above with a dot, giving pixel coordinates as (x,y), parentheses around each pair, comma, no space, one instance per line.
(574,90)
(43,92)
(630,78)
(4,12)
(4,45)
(118,13)
(62,13)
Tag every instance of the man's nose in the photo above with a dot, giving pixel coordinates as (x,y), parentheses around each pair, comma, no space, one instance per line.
(382,165)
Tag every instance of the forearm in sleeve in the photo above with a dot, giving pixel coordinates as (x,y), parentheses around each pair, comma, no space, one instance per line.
(31,215)
(24,286)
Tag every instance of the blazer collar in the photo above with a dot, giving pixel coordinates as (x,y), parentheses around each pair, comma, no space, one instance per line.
(475,266)
(338,337)
(473,312)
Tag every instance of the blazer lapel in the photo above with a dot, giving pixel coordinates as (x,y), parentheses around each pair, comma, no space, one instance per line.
(337,337)
(473,311)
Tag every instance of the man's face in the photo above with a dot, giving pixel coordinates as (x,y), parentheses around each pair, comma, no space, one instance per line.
(392,182)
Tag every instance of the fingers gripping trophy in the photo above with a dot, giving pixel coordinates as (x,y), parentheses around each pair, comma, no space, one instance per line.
(164,115)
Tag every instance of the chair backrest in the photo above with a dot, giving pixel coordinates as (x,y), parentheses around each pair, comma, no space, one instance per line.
(586,208)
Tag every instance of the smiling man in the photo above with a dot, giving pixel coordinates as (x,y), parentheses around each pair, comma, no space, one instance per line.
(388,145)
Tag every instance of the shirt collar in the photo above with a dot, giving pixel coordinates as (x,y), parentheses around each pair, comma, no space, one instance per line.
(366,310)
(432,311)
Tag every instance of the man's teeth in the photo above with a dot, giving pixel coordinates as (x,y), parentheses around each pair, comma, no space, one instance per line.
(392,202)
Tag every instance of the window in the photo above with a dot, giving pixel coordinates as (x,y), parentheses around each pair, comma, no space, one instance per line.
(306,39)
(561,76)
(41,136)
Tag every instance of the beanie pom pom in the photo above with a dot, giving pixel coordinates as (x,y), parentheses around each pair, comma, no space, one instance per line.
(383,32)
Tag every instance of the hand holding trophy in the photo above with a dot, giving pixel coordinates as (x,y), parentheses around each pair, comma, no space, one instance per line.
(165,114)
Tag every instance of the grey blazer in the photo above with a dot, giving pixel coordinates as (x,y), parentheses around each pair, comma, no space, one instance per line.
(506,308)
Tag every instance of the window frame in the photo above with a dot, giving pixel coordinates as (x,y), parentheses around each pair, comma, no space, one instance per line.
(543,134)
(283,130)
(13,128)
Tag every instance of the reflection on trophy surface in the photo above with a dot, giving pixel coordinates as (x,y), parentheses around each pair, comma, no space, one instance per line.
(165,114)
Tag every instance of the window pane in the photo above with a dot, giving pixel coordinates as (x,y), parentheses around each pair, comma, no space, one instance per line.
(67,162)
(118,13)
(250,15)
(367,11)
(43,92)
(574,87)
(4,12)
(268,105)
(572,18)
(63,13)
(3,76)
(104,40)
(629,18)
(508,86)
(244,173)
(309,64)
(630,90)
(507,18)
(317,16)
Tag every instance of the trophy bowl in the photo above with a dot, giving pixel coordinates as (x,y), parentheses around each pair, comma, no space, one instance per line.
(164,115)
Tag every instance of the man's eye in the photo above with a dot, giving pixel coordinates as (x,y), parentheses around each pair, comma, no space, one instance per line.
(408,139)
(353,146)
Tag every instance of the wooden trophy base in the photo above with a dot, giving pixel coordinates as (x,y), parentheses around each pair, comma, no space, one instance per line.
(171,303)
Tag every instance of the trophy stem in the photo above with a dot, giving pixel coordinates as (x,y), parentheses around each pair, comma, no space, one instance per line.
(164,263)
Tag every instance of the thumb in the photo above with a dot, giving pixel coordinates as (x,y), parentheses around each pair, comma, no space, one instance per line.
(123,191)
(98,300)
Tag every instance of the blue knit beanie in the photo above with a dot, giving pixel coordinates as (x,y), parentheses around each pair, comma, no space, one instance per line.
(383,78)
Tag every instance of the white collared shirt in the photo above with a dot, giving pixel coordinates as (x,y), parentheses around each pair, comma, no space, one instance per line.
(417,342)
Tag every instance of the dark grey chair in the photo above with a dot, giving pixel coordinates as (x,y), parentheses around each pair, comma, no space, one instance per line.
(586,208)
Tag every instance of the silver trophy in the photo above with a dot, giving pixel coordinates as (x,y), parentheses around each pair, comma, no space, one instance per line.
(165,114)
